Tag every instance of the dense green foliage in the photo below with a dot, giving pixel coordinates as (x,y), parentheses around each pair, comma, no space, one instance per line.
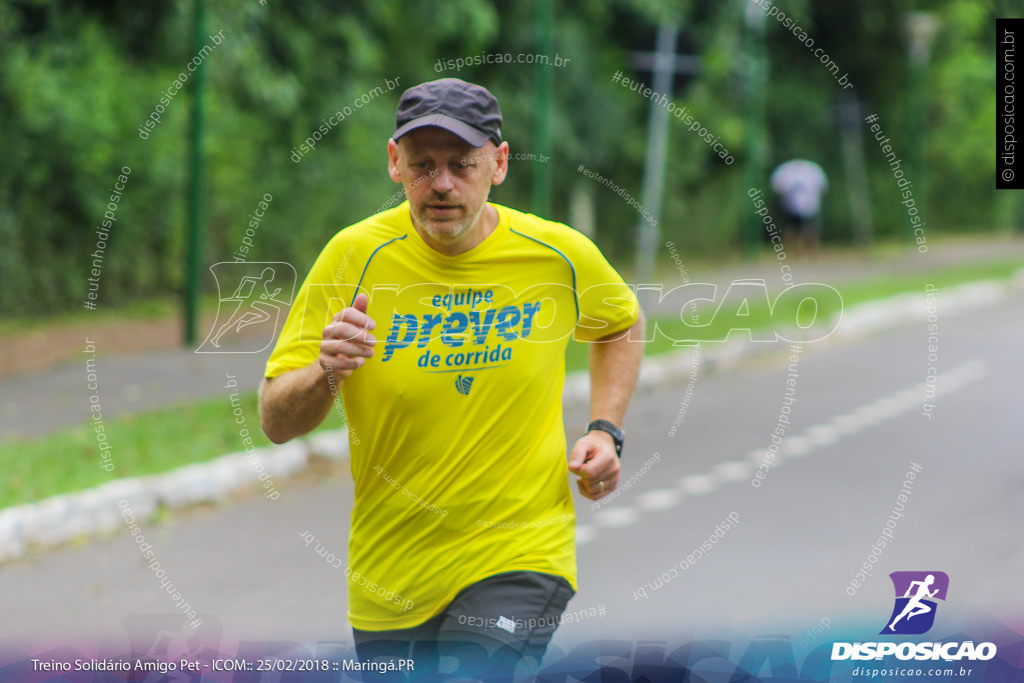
(77,80)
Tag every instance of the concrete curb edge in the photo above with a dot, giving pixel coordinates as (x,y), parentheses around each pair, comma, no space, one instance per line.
(67,517)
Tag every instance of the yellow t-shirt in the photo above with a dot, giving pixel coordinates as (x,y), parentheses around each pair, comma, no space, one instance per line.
(457,444)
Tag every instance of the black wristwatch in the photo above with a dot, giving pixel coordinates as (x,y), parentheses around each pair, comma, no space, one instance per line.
(618,436)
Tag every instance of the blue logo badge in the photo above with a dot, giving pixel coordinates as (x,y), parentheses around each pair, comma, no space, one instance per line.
(463,384)
(916,592)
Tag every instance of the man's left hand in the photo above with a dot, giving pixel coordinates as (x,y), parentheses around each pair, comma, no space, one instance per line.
(594,461)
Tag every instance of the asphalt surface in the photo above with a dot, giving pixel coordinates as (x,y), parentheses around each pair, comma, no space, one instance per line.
(857,426)
(42,402)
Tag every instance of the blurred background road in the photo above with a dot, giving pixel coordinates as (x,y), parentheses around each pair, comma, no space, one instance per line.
(53,397)
(857,427)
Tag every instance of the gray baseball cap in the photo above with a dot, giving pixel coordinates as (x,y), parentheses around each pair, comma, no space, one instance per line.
(465,109)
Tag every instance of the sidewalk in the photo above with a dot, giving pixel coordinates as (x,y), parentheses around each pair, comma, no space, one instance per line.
(41,402)
(142,381)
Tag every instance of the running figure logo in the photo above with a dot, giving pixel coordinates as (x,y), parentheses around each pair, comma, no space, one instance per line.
(916,592)
(259,294)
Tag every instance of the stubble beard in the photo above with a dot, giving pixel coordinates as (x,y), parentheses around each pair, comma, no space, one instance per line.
(447,231)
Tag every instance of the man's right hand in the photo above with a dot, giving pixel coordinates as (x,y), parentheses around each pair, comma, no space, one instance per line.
(347,341)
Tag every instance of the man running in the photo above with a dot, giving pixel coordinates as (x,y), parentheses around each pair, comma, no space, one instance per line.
(914,606)
(446,331)
(251,307)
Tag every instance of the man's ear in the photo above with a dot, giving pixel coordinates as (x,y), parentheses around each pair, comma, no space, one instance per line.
(393,161)
(501,168)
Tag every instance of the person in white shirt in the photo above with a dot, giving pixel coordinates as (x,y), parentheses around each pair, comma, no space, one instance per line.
(799,185)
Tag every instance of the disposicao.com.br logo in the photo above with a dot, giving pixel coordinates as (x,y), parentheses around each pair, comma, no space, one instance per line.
(913,613)
(914,593)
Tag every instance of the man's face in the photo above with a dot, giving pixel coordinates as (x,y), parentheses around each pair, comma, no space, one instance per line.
(446,180)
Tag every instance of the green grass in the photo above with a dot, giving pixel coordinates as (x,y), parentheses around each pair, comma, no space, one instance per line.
(148,309)
(146,443)
(880,287)
(161,440)
(711,328)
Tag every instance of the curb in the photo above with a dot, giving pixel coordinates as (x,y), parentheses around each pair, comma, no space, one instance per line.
(60,519)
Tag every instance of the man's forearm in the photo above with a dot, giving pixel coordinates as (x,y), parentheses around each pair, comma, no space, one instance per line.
(295,403)
(614,366)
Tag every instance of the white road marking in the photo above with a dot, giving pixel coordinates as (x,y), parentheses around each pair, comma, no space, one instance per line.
(847,424)
(616,518)
(911,395)
(821,435)
(659,499)
(802,445)
(756,456)
(868,415)
(890,406)
(696,484)
(796,447)
(735,470)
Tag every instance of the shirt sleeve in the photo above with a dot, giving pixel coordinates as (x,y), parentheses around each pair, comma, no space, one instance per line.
(606,303)
(325,291)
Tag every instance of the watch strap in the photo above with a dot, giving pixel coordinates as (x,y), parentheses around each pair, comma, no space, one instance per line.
(618,435)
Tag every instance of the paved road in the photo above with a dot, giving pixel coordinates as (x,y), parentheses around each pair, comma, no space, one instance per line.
(39,403)
(857,427)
